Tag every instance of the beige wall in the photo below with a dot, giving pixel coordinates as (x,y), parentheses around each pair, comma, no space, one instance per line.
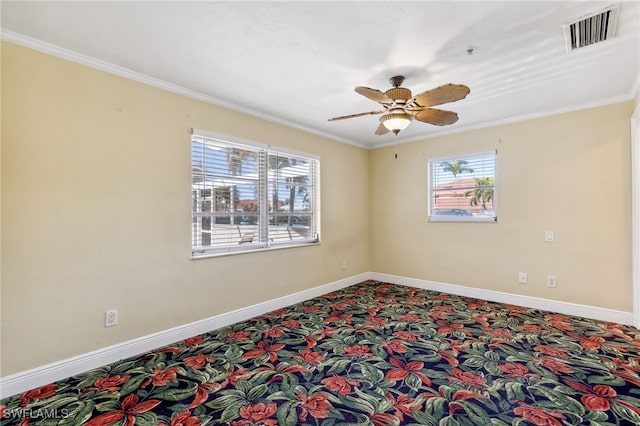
(568,173)
(96,212)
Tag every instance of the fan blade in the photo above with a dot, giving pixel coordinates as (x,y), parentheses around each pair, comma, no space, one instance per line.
(374,95)
(441,95)
(437,117)
(355,115)
(381,130)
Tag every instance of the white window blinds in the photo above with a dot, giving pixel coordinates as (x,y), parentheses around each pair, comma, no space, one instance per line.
(250,198)
(463,188)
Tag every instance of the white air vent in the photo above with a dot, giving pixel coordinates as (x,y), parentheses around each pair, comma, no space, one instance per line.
(591,29)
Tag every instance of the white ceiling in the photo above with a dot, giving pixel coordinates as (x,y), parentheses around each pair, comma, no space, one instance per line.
(297,63)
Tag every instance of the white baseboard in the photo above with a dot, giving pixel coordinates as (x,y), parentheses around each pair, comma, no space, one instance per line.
(40,376)
(593,312)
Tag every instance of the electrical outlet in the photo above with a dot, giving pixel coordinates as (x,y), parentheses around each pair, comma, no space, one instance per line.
(551,281)
(111,318)
(344,265)
(522,277)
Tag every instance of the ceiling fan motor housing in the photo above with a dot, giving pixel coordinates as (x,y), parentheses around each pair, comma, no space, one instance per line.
(399,94)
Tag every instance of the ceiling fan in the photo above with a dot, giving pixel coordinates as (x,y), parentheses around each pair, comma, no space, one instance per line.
(400,107)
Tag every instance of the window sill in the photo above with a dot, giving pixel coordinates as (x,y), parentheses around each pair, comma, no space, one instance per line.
(256,250)
(468,219)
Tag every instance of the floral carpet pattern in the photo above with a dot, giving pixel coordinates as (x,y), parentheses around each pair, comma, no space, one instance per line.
(372,354)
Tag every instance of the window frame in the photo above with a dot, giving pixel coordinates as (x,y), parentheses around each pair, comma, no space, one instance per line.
(436,161)
(263,224)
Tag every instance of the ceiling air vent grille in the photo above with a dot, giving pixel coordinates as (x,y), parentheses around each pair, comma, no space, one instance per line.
(591,29)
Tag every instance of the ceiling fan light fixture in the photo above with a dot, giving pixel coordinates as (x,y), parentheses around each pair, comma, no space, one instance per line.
(396,122)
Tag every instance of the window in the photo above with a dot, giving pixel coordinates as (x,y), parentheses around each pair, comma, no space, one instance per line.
(463,188)
(246,197)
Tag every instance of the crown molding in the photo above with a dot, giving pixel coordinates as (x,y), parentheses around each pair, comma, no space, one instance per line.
(100,65)
(119,71)
(526,117)
(635,90)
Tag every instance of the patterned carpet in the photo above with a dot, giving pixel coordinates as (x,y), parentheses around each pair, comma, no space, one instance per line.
(372,354)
